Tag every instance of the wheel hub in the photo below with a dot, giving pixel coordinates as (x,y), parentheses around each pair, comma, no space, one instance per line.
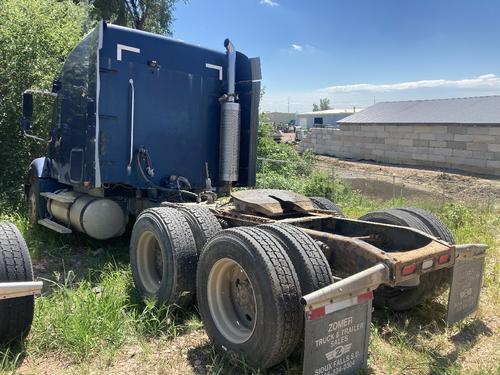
(231,300)
(150,261)
(242,295)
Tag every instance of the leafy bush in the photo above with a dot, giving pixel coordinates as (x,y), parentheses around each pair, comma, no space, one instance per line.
(294,164)
(286,169)
(35,38)
(457,215)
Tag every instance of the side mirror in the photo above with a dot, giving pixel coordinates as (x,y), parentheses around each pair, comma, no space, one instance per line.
(27,111)
(56,86)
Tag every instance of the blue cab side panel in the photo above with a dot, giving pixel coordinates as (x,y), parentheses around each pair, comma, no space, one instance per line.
(70,151)
(171,89)
(176,108)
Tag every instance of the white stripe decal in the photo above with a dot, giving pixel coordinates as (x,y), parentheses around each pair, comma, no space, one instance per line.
(216,67)
(336,306)
(123,47)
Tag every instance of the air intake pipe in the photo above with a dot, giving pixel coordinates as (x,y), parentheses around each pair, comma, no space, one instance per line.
(230,123)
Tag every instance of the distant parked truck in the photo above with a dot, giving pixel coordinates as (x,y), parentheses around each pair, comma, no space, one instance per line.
(150,129)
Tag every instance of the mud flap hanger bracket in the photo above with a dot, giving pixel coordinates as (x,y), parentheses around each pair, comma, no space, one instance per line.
(20,289)
(359,283)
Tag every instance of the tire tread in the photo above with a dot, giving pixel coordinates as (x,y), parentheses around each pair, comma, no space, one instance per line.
(202,222)
(309,261)
(15,265)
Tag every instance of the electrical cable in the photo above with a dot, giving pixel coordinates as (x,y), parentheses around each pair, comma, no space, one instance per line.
(152,184)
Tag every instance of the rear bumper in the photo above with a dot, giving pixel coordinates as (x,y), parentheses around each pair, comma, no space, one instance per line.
(467,262)
(20,289)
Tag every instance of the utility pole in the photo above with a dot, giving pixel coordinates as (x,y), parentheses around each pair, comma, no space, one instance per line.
(288,104)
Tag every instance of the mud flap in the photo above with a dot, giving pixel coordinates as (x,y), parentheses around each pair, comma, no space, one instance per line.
(337,327)
(466,282)
(337,337)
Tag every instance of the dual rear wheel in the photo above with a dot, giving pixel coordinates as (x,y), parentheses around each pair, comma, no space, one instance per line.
(164,248)
(430,284)
(248,280)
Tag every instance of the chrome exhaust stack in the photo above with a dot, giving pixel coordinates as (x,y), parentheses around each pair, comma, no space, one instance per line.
(229,150)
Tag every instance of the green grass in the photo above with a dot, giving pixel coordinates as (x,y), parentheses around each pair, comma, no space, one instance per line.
(92,311)
(90,314)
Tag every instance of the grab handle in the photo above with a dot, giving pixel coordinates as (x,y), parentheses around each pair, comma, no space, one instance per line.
(132,105)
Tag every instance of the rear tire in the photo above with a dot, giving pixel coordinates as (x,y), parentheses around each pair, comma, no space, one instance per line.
(163,256)
(321,203)
(203,223)
(16,314)
(396,216)
(248,296)
(435,226)
(399,298)
(308,260)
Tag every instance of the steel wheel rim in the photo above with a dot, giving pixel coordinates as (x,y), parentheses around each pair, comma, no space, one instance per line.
(149,262)
(231,300)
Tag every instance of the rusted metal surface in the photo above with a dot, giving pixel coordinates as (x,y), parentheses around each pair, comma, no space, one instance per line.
(234,218)
(352,246)
(270,202)
(431,251)
(348,255)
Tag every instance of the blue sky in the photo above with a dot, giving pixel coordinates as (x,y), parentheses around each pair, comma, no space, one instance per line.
(355,51)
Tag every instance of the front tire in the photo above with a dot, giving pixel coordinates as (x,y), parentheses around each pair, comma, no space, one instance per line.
(33,200)
(16,314)
(248,296)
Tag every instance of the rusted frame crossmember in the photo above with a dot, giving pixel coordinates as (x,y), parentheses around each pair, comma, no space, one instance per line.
(20,289)
(348,256)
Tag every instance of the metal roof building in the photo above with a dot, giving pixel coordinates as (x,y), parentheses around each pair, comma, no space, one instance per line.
(324,119)
(460,134)
(473,110)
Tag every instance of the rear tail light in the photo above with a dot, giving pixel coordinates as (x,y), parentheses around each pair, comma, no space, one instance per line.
(409,269)
(427,264)
(444,259)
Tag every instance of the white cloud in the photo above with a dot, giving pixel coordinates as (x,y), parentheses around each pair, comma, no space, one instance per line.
(271,3)
(483,81)
(297,47)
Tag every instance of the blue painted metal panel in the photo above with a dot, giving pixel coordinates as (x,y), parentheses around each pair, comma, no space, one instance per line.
(176,109)
(73,125)
(40,167)
(176,112)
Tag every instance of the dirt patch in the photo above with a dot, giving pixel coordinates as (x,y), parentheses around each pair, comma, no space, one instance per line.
(386,181)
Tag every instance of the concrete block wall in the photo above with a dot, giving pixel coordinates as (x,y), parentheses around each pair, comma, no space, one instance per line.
(471,148)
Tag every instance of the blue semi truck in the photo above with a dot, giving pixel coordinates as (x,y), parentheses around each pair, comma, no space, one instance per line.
(149,131)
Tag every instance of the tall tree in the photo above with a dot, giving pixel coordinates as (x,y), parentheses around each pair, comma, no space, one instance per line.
(149,15)
(324,104)
(35,37)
